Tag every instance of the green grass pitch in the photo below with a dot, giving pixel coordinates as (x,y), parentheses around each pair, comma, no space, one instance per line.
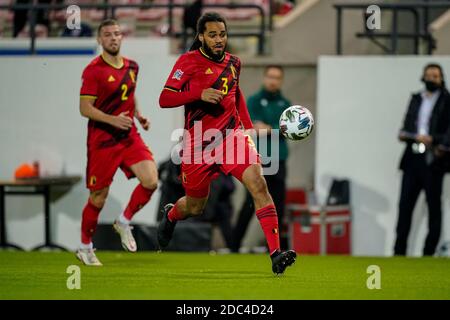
(181,276)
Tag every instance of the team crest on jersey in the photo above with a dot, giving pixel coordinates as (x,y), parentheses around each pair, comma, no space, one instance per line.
(177,74)
(208,71)
(233,71)
(132,76)
(111,79)
(92,180)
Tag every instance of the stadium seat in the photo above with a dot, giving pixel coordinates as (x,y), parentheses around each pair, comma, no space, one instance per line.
(6,15)
(128,30)
(41,31)
(126,12)
(96,15)
(237,14)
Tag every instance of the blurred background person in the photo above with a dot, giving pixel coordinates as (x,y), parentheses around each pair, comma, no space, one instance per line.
(265,108)
(425,127)
(22,16)
(218,210)
(191,14)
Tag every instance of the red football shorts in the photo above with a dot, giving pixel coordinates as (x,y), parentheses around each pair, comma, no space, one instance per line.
(103,162)
(196,177)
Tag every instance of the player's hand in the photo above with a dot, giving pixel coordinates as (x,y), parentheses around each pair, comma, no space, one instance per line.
(438,152)
(122,121)
(212,95)
(425,139)
(145,123)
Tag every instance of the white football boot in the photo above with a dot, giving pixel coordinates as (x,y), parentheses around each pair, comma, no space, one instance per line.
(126,236)
(88,257)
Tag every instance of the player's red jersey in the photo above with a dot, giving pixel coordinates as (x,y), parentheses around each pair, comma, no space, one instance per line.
(195,71)
(113,89)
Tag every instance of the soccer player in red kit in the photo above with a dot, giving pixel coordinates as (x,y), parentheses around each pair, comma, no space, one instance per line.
(107,100)
(206,81)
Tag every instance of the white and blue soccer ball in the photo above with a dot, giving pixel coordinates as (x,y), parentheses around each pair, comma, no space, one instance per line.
(444,250)
(296,123)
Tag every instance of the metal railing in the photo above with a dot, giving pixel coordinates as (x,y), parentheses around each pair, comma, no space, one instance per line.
(420,26)
(110,10)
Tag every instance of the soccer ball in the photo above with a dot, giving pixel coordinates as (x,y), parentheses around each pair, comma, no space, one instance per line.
(296,123)
(444,250)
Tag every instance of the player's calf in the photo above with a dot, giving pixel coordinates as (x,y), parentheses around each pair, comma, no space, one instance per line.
(194,206)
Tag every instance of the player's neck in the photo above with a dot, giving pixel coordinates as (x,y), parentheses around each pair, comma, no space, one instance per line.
(114,61)
(211,56)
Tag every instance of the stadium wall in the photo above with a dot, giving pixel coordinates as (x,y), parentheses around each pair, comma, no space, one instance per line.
(361,105)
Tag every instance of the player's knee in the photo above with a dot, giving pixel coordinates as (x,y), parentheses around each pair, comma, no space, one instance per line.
(99,202)
(98,198)
(150,184)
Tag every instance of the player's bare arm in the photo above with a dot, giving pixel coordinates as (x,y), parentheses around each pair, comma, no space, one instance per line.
(88,110)
(144,121)
(259,126)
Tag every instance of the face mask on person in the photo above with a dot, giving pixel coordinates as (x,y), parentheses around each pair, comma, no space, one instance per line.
(431,86)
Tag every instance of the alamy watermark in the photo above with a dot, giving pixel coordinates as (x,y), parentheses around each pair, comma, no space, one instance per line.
(73,17)
(373,17)
(74,278)
(374,280)
(229,147)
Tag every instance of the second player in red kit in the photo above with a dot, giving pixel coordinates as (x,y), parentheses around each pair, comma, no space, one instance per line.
(206,81)
(113,142)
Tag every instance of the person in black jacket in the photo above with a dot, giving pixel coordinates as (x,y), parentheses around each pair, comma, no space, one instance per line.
(426,129)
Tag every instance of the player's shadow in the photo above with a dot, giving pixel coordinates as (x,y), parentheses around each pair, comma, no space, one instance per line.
(369,208)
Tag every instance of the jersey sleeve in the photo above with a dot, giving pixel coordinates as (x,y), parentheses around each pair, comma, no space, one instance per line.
(89,85)
(174,94)
(181,72)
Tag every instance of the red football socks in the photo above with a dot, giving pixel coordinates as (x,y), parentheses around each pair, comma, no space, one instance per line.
(175,215)
(268,220)
(89,222)
(139,198)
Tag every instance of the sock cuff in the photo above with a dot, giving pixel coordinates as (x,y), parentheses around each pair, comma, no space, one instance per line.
(89,245)
(174,215)
(123,220)
(267,211)
(148,191)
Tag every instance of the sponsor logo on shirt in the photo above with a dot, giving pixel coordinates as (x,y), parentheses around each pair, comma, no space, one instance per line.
(92,180)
